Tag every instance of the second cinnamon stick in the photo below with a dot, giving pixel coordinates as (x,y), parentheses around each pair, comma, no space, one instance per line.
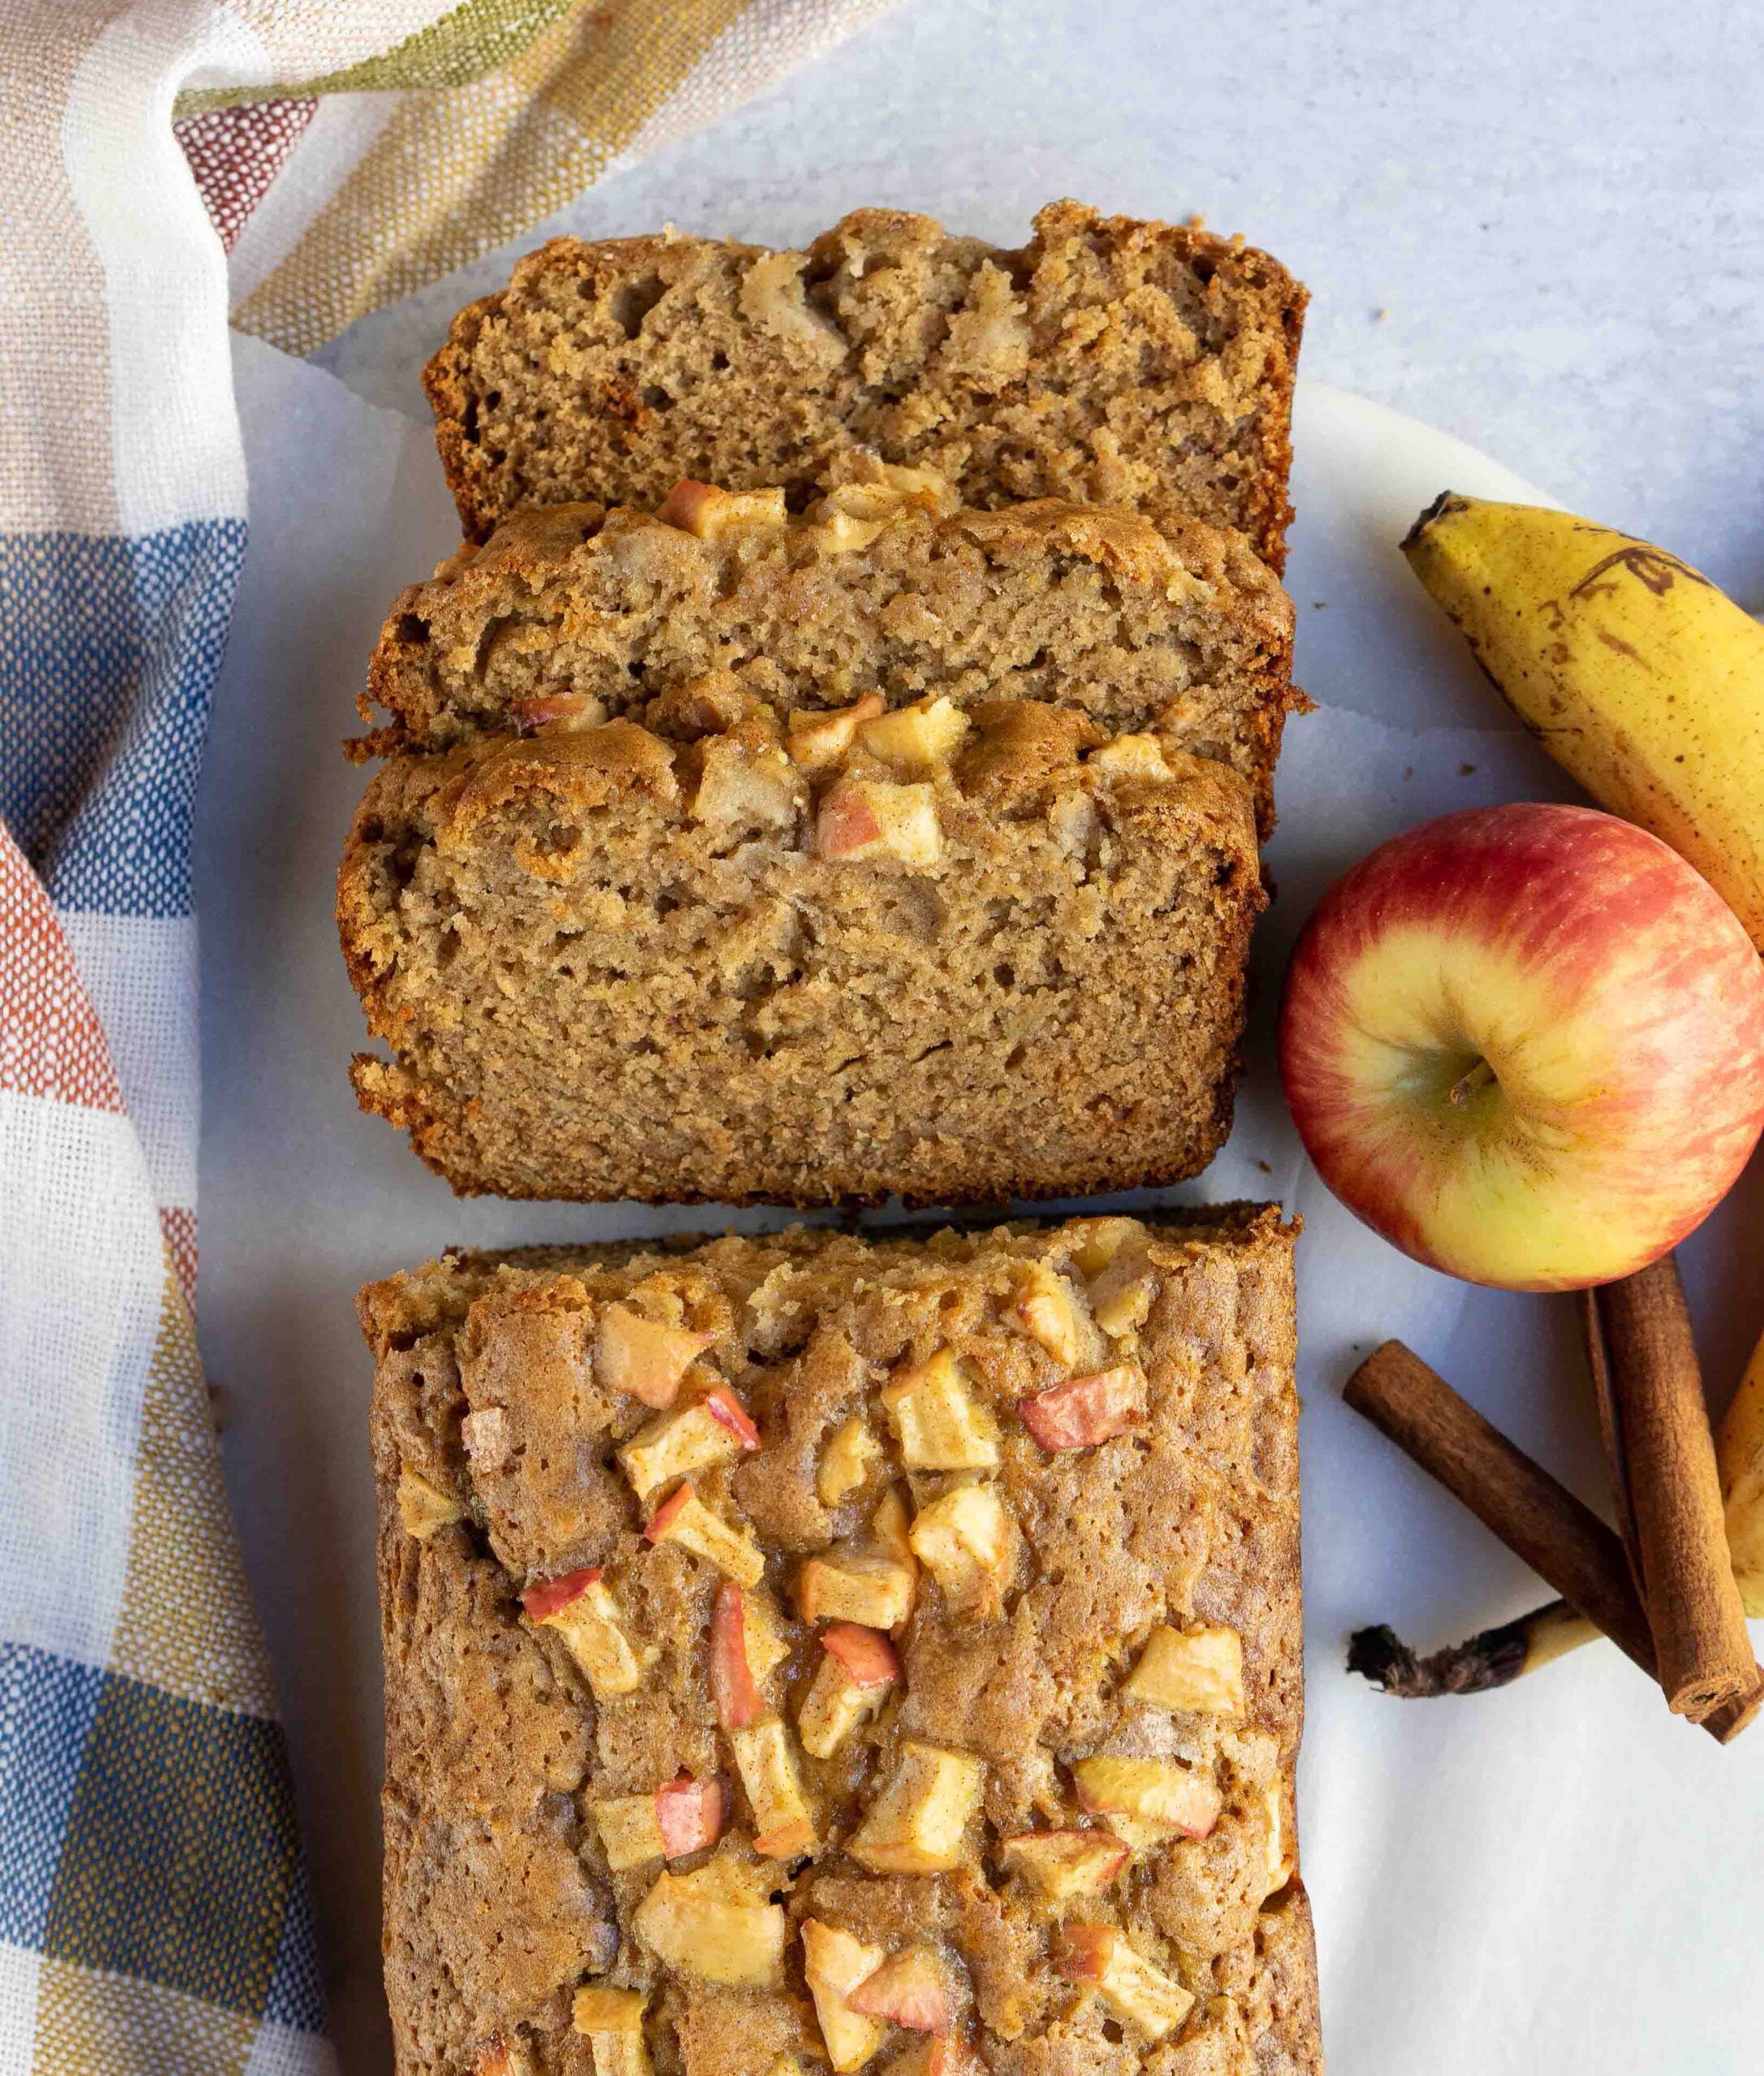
(1664,1464)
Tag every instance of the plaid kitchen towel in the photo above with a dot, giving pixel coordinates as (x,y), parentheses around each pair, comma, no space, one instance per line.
(153,1915)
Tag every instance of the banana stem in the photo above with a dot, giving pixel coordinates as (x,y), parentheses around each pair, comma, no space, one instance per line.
(1493,1657)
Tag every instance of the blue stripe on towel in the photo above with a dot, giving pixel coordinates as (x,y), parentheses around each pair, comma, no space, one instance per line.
(110,649)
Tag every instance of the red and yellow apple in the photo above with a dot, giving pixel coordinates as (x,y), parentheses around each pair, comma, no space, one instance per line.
(1526,1045)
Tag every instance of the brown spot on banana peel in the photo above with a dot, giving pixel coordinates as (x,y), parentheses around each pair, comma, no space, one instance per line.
(1622,648)
(1651,567)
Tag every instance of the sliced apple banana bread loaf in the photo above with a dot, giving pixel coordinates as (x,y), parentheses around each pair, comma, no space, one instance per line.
(816,1651)
(964,955)
(1111,360)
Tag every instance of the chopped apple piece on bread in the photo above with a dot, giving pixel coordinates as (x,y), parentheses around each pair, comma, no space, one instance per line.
(691,1439)
(691,1815)
(1131,756)
(849,1460)
(873,818)
(890,1528)
(556,713)
(917,741)
(579,1607)
(936,2054)
(940,1423)
(766,1648)
(858,1668)
(743,1650)
(644,1358)
(1096,1241)
(1153,1790)
(1280,1859)
(1085,1410)
(1047,1309)
(729,1413)
(684,1518)
(1122,1291)
(918,1823)
(1200,1668)
(818,741)
(423,1508)
(487,1438)
(1066,1863)
(831,1710)
(681,1818)
(834,1963)
(501,2056)
(1139,1834)
(751,788)
(866,1656)
(964,1540)
(1104,1958)
(630,1831)
(908,1990)
(864,1586)
(767,1764)
(612,2019)
(705,511)
(713,1923)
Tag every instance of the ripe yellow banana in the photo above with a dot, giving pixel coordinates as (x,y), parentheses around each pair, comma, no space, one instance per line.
(1635,673)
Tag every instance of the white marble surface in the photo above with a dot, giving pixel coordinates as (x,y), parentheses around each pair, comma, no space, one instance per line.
(1543,1879)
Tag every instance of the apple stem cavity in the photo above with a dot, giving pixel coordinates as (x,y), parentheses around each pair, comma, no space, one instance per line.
(1467,1086)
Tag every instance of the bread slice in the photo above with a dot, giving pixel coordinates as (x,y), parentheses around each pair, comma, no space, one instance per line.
(1109,361)
(962,957)
(525,1409)
(879,588)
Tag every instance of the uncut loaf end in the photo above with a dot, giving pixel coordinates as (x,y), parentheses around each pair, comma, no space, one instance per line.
(1110,360)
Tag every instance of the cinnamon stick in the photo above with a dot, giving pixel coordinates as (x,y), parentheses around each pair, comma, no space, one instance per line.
(1563,1542)
(1664,1470)
(1592,1336)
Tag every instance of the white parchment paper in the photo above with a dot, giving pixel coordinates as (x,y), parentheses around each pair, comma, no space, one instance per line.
(1558,1877)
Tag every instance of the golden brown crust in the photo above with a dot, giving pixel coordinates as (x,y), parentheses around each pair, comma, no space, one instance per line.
(497,1748)
(1050,1005)
(1111,360)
